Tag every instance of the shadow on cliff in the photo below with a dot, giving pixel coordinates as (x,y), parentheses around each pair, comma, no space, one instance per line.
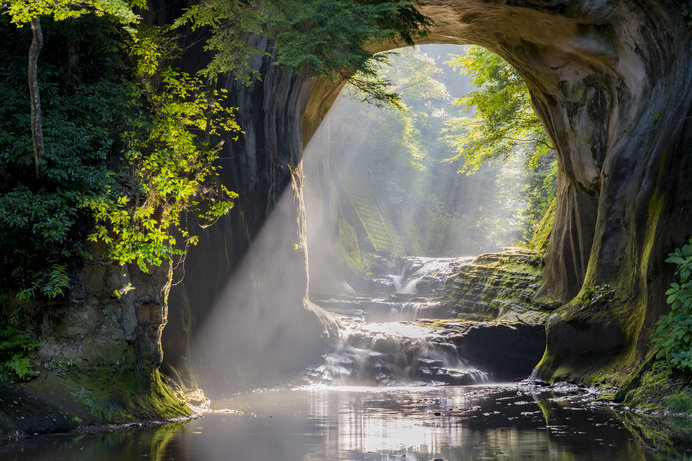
(258,332)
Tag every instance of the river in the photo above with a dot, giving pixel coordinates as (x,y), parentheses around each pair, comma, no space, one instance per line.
(391,388)
(451,423)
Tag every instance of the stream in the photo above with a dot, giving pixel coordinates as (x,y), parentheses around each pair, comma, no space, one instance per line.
(381,344)
(391,387)
(450,423)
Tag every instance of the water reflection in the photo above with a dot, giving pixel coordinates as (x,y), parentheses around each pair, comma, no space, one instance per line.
(412,424)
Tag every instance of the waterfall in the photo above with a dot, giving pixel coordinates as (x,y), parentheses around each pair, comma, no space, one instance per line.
(380,343)
(394,354)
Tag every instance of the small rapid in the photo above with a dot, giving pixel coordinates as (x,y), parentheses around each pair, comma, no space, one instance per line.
(400,288)
(381,343)
(394,354)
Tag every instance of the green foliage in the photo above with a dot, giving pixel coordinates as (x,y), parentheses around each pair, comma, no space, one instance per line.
(173,164)
(389,165)
(97,127)
(392,159)
(15,350)
(318,38)
(657,386)
(673,335)
(503,124)
(51,283)
(23,11)
(596,297)
(42,223)
(503,119)
(679,402)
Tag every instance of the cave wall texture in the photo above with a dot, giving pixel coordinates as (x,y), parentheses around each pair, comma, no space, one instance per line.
(611,80)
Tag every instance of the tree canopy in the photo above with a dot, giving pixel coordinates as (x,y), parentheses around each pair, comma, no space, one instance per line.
(317,38)
(501,124)
(22,12)
(503,120)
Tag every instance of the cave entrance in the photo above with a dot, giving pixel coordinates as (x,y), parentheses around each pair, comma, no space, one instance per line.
(384,211)
(613,91)
(390,220)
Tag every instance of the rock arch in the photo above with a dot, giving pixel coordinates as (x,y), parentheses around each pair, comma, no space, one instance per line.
(612,82)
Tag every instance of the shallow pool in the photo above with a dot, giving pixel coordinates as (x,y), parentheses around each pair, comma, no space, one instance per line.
(505,422)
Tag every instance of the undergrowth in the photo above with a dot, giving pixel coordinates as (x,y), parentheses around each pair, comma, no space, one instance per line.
(673,335)
(15,353)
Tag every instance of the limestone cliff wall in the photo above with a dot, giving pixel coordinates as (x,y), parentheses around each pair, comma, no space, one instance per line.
(99,328)
(246,282)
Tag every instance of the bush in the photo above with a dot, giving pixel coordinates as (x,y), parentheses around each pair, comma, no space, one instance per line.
(673,335)
(15,350)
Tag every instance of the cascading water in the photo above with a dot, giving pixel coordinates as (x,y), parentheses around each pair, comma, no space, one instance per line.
(393,354)
(400,288)
(411,270)
(379,342)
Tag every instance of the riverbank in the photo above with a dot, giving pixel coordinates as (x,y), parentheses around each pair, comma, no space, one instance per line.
(73,399)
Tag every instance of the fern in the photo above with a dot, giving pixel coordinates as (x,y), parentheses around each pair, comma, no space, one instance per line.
(21,366)
(15,350)
(51,284)
(58,282)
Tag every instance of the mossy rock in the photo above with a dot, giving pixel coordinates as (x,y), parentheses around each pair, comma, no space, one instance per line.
(120,395)
(62,401)
(657,386)
(541,237)
(495,285)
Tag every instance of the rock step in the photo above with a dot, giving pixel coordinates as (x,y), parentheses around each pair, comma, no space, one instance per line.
(494,284)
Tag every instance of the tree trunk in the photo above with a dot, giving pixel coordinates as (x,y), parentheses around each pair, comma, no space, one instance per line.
(36,129)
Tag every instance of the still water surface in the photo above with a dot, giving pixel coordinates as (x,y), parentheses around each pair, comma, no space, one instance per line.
(504,422)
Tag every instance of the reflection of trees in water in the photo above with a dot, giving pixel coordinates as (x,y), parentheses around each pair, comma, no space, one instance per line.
(451,423)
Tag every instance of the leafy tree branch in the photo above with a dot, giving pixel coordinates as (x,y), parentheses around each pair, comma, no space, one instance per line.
(502,124)
(317,38)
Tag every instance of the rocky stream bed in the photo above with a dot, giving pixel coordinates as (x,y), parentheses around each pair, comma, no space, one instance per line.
(436,321)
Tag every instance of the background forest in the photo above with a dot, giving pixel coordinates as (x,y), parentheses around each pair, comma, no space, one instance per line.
(439,176)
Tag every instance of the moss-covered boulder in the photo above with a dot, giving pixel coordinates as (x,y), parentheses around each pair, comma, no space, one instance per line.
(67,397)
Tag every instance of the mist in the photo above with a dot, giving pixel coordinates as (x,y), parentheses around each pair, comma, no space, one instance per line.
(249,338)
(377,180)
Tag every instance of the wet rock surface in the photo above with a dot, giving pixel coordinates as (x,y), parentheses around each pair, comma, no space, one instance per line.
(471,320)
(392,354)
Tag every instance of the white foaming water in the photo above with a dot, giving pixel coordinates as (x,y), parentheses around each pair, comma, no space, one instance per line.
(412,269)
(394,354)
(380,343)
